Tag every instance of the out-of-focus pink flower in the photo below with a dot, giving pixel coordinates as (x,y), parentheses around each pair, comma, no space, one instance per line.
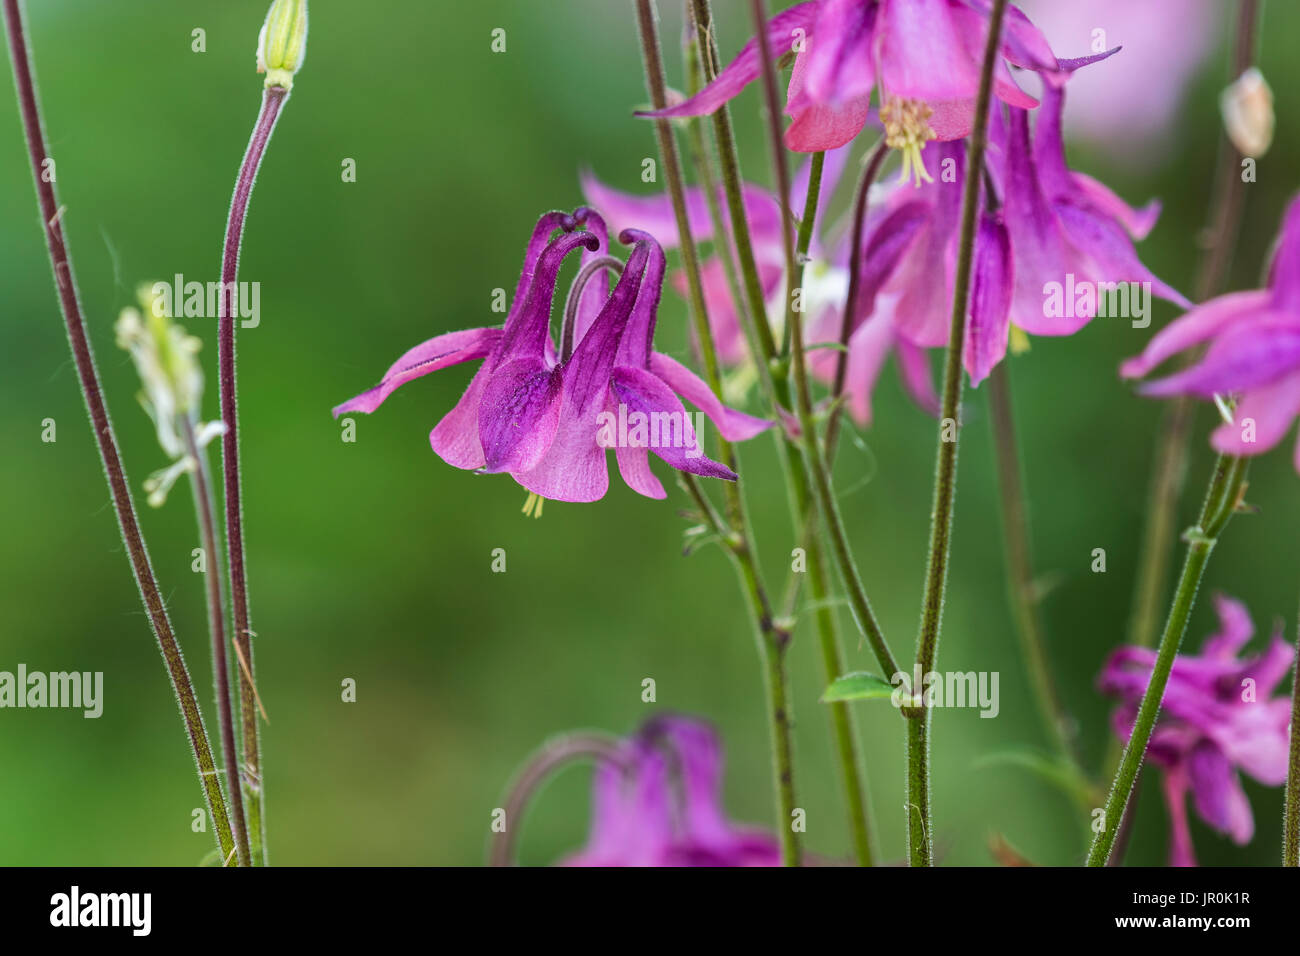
(1218,716)
(924,55)
(1253,353)
(1130,107)
(661,805)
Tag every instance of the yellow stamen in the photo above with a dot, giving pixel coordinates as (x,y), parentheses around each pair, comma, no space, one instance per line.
(1018,341)
(533,505)
(907,129)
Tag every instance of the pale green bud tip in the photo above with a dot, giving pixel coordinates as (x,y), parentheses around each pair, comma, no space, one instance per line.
(282,44)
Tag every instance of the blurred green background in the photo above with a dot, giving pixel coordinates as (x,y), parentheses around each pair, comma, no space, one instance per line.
(372,560)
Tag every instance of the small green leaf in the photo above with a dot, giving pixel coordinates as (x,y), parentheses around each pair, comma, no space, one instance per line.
(858,685)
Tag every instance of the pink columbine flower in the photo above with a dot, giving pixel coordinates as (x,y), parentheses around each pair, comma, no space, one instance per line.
(924,55)
(1218,716)
(826,279)
(1253,352)
(661,805)
(544,415)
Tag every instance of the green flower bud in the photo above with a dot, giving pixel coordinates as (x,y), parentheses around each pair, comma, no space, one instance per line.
(282,44)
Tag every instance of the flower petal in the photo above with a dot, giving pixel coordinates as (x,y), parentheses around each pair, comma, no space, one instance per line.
(840,62)
(1241,359)
(519,414)
(731,424)
(922,55)
(1265,415)
(437,353)
(821,126)
(1216,788)
(744,69)
(989,321)
(672,437)
(1201,323)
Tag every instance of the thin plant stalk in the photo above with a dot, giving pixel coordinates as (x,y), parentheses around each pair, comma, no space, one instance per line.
(1224,221)
(1022,591)
(1221,500)
(920,830)
(203,509)
(88,376)
(857,802)
(1291,812)
(272,101)
(773,640)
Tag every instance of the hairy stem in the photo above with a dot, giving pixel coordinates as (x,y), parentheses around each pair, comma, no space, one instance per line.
(272,101)
(1020,563)
(772,639)
(203,510)
(920,830)
(1220,501)
(1291,812)
(88,376)
(1224,221)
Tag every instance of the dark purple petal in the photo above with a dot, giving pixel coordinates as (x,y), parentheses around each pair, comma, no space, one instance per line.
(672,436)
(989,320)
(519,413)
(1216,788)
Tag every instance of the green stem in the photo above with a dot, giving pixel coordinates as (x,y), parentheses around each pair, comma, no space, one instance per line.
(773,639)
(97,408)
(1291,814)
(203,510)
(1020,564)
(920,830)
(1220,501)
(1224,221)
(814,461)
(856,800)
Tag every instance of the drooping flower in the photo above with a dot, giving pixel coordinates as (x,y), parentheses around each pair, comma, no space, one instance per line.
(1040,227)
(661,804)
(923,55)
(1253,352)
(544,415)
(825,282)
(1068,231)
(1218,717)
(164,355)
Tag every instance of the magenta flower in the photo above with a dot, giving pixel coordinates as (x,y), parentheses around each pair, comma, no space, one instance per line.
(661,805)
(825,282)
(924,55)
(1218,716)
(1253,352)
(1069,233)
(546,416)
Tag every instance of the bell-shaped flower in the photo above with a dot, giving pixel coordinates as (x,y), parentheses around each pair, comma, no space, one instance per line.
(546,416)
(1252,351)
(660,804)
(924,57)
(1218,717)
(1072,238)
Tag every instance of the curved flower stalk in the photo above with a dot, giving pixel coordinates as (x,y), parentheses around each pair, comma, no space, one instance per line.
(546,416)
(1219,716)
(1253,352)
(661,804)
(923,56)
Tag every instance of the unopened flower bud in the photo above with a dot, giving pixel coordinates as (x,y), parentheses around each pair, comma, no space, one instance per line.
(1247,107)
(282,45)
